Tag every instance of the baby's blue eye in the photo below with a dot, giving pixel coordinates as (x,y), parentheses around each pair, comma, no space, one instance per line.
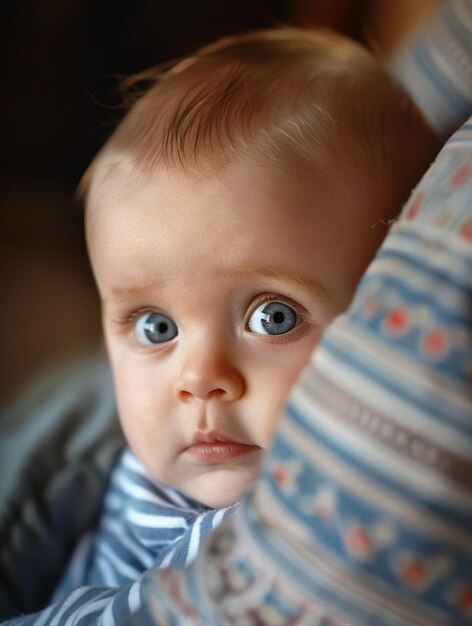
(273,318)
(155,328)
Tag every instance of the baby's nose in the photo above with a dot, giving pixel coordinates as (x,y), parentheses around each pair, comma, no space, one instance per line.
(207,374)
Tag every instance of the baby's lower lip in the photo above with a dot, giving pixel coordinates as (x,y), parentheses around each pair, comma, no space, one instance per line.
(220,452)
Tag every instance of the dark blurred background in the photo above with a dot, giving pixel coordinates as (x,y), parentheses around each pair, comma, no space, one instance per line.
(61,63)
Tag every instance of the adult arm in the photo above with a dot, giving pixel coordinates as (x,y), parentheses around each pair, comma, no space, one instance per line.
(435,67)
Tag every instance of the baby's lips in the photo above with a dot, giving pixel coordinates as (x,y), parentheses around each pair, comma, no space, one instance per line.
(220,451)
(213,437)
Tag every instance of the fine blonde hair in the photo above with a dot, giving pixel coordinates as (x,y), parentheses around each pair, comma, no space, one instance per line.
(283,98)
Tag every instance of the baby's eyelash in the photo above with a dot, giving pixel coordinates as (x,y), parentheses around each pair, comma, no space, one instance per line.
(270,297)
(128,317)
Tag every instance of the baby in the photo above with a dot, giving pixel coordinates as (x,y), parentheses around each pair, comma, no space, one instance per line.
(228,220)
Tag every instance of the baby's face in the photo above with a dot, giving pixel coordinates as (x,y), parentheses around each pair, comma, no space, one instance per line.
(214,294)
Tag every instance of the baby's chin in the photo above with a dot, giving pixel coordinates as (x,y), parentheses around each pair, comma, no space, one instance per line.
(219,488)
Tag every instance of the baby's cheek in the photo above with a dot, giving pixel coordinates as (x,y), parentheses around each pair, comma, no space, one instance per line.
(272,406)
(131,399)
(282,385)
(300,359)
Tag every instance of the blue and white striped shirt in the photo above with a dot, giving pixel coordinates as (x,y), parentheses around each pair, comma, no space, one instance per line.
(144,524)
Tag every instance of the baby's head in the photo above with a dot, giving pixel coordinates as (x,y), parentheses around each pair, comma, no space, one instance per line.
(229,218)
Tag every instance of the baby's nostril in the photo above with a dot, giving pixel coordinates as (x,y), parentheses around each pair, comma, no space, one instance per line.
(185,395)
(216,393)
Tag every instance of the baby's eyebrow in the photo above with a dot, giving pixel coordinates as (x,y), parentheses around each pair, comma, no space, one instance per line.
(120,293)
(284,275)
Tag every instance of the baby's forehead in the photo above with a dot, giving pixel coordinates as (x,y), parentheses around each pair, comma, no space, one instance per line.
(109,174)
(123,179)
(117,178)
